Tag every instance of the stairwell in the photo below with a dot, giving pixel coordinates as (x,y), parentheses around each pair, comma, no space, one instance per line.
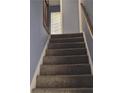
(65,67)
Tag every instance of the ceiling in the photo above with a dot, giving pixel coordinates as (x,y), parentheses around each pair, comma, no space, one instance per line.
(54,2)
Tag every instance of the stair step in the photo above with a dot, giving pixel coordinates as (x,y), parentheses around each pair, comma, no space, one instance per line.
(67,35)
(65,81)
(62,90)
(64,52)
(65,67)
(78,39)
(68,69)
(67,38)
(66,45)
(80,59)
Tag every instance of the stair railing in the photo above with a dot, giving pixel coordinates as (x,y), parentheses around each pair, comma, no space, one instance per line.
(86,18)
(88,33)
(46,15)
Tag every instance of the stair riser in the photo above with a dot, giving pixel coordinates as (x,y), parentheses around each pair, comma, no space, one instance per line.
(65,45)
(65,69)
(66,40)
(64,82)
(53,52)
(65,60)
(67,36)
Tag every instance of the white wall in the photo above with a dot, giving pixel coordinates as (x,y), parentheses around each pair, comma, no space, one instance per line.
(38,35)
(89,39)
(70,14)
(89,7)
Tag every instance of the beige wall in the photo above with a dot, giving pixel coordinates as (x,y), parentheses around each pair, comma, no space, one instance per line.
(70,16)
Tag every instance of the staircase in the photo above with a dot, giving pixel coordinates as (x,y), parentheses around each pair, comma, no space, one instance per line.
(66,67)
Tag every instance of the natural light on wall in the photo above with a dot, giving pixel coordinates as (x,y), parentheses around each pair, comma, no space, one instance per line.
(56,23)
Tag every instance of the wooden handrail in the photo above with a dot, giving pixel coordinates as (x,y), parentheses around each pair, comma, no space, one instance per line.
(45,15)
(47,2)
(87,18)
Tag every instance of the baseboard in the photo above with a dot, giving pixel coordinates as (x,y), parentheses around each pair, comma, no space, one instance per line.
(89,56)
(37,71)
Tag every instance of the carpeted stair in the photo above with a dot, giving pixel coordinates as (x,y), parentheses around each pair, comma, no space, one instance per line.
(66,66)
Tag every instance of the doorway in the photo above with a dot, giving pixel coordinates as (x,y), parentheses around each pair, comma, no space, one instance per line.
(56,23)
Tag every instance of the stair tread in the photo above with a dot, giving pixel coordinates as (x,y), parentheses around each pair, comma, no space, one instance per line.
(68,56)
(71,45)
(64,81)
(66,64)
(67,49)
(63,90)
(65,52)
(73,59)
(69,38)
(68,43)
(69,69)
(84,75)
(67,35)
